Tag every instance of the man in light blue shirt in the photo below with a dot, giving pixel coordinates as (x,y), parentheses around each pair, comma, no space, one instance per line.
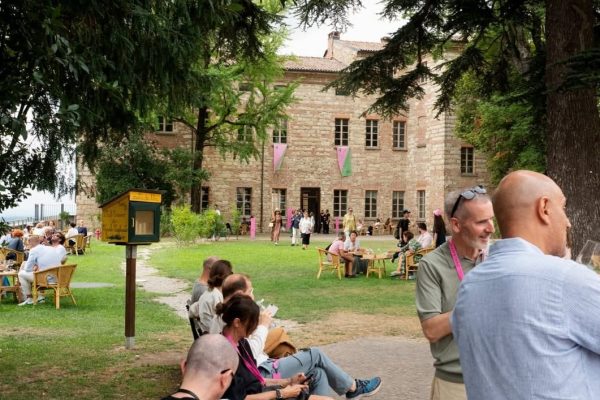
(527,322)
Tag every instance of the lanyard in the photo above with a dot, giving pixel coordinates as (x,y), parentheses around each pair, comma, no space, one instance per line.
(248,362)
(456,260)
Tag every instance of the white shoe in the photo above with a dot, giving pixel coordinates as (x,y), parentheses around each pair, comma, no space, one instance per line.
(41,299)
(29,300)
(396,273)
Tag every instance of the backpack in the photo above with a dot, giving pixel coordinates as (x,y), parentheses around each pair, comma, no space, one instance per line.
(278,344)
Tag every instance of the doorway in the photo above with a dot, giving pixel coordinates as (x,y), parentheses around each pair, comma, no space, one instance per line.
(310,199)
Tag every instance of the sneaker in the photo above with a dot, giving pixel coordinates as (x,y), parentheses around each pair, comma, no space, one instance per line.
(41,299)
(365,388)
(28,300)
(396,273)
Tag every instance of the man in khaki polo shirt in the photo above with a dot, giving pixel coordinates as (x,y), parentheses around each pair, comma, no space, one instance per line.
(470,215)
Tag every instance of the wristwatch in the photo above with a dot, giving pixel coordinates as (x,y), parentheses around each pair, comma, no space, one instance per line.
(278,395)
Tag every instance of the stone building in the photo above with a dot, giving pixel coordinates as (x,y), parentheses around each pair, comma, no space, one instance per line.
(326,155)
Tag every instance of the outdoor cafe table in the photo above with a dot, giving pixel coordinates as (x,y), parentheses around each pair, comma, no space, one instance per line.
(376,263)
(13,278)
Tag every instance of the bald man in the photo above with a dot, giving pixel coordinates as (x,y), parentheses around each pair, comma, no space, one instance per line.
(208,370)
(440,272)
(527,321)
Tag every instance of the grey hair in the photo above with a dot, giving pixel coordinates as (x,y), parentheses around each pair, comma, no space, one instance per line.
(209,355)
(453,196)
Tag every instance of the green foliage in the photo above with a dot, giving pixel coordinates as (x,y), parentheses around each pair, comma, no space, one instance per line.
(210,223)
(134,163)
(502,127)
(180,172)
(236,218)
(166,222)
(186,224)
(81,74)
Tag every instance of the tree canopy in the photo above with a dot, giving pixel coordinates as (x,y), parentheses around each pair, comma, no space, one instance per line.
(532,57)
(78,74)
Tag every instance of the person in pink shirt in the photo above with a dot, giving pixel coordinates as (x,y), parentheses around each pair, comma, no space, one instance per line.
(337,247)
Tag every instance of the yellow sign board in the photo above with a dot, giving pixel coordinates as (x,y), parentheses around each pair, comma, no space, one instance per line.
(145,197)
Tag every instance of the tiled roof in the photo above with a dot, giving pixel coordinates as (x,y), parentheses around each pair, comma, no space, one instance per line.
(363,46)
(316,64)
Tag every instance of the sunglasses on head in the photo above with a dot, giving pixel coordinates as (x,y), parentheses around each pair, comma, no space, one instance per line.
(468,194)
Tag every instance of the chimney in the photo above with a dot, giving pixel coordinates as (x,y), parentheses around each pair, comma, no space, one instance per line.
(331,37)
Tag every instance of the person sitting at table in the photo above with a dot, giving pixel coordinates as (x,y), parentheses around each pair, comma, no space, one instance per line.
(15,243)
(81,229)
(337,247)
(424,237)
(353,249)
(412,246)
(72,232)
(387,226)
(39,229)
(40,258)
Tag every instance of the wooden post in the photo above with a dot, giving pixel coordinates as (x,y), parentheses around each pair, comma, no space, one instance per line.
(130,256)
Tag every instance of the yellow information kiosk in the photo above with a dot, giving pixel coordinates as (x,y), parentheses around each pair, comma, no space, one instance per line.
(130,219)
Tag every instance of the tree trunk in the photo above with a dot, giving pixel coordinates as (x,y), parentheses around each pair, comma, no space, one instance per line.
(573,121)
(199,143)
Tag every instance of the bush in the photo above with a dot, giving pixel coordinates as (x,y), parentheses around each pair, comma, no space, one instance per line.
(186,224)
(210,224)
(166,223)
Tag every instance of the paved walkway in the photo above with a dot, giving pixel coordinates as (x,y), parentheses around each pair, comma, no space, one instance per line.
(405,365)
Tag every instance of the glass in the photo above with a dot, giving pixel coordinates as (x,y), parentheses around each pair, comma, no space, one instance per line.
(590,255)
(144,222)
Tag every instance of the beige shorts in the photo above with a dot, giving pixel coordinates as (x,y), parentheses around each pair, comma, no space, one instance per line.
(444,390)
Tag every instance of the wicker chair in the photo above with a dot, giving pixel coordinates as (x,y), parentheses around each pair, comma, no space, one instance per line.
(57,279)
(326,265)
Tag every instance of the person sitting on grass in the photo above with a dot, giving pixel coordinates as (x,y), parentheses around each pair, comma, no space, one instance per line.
(204,309)
(306,370)
(208,369)
(201,284)
(412,246)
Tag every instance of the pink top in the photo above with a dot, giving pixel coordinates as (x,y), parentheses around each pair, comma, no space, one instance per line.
(336,246)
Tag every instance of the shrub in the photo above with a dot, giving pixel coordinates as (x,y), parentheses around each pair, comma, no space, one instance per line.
(185,224)
(210,224)
(166,223)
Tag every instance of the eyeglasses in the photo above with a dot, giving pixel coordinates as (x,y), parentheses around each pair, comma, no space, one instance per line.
(468,194)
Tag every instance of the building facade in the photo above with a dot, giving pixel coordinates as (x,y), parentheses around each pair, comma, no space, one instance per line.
(327,155)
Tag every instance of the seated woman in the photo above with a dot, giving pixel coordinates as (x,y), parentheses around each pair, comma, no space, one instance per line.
(412,246)
(308,370)
(15,243)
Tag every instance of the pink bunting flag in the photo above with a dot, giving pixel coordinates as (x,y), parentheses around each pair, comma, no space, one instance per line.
(344,160)
(278,152)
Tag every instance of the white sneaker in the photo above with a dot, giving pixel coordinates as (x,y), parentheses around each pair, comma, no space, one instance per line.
(41,299)
(29,300)
(396,273)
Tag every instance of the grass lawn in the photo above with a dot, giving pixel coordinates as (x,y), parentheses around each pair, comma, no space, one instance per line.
(286,276)
(78,351)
